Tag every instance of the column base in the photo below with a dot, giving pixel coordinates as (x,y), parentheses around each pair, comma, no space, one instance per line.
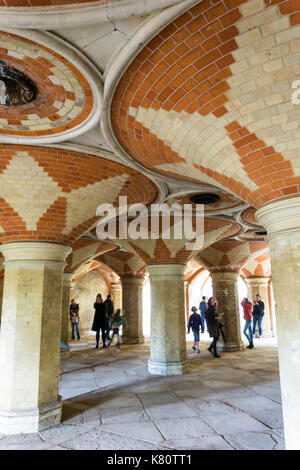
(231,347)
(32,420)
(64,353)
(133,339)
(168,368)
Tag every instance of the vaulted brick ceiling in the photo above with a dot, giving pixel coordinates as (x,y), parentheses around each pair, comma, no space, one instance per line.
(209,99)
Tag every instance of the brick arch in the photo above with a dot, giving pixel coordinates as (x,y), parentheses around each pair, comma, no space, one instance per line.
(209,99)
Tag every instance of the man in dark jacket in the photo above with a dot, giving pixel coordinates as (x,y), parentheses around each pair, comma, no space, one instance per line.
(109,313)
(195,321)
(258,313)
(203,307)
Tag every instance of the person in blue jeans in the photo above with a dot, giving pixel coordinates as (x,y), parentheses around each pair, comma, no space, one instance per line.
(74,318)
(195,321)
(258,313)
(202,308)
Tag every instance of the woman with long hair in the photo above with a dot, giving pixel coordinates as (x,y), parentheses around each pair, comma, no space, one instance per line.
(247,307)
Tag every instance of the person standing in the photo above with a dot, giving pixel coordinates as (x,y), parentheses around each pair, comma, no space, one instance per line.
(109,313)
(100,320)
(258,313)
(194,322)
(247,307)
(212,322)
(202,308)
(74,319)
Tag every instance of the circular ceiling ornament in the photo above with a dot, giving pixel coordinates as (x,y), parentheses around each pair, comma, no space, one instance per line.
(16,88)
(56,94)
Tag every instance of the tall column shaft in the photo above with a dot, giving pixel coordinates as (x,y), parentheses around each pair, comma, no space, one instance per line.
(225,289)
(168,340)
(260,285)
(1,295)
(30,336)
(65,310)
(116,292)
(132,301)
(281,219)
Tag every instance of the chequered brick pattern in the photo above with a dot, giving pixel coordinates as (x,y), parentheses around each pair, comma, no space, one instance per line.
(62,189)
(209,99)
(231,255)
(260,266)
(226,201)
(162,250)
(49,3)
(64,99)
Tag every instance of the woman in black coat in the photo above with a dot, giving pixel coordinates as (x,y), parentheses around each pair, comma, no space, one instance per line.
(100,320)
(212,322)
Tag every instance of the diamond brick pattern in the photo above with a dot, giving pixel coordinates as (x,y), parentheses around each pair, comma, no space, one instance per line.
(68,188)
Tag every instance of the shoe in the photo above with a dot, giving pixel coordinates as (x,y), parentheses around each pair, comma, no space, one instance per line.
(210,350)
(217,355)
(117,349)
(97,346)
(198,351)
(104,346)
(193,348)
(250,346)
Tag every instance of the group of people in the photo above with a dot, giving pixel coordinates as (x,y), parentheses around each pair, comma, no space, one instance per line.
(208,313)
(104,319)
(255,312)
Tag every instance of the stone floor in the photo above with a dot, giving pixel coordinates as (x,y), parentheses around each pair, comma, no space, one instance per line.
(111,402)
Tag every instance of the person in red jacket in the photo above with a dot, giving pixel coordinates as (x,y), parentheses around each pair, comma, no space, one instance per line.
(247,307)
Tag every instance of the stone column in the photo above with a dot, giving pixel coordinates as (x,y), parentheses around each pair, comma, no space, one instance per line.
(116,292)
(65,310)
(30,336)
(168,339)
(1,295)
(281,220)
(225,289)
(132,301)
(260,285)
(186,302)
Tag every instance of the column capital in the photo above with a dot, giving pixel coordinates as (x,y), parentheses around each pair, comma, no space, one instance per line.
(166,271)
(281,218)
(133,280)
(68,279)
(35,252)
(227,276)
(116,287)
(257,281)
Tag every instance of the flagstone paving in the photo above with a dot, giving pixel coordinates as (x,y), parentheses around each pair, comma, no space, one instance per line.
(111,402)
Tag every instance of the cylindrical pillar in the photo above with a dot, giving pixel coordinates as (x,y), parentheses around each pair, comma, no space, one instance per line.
(187,301)
(65,310)
(281,220)
(30,336)
(132,301)
(168,340)
(225,289)
(1,295)
(116,292)
(260,286)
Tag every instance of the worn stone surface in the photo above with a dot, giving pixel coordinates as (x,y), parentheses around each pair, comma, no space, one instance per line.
(141,411)
(132,304)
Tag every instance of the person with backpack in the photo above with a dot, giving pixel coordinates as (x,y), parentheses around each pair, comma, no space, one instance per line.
(258,313)
(247,307)
(195,321)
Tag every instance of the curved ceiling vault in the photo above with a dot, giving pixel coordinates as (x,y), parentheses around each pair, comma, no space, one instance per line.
(209,99)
